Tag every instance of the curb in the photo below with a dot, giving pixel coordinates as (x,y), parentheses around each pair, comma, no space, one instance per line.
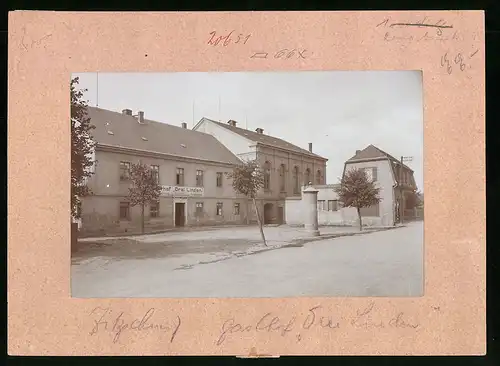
(297,243)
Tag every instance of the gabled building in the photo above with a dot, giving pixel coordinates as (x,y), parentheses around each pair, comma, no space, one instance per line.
(287,167)
(191,166)
(394,178)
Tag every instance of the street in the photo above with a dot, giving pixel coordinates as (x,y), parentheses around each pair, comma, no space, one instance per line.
(384,263)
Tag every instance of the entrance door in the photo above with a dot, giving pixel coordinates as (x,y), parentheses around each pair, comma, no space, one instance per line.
(268,213)
(179,214)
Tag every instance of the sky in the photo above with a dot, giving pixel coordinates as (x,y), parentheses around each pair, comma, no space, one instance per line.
(339,112)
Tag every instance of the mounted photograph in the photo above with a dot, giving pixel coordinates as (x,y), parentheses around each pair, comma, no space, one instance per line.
(247,184)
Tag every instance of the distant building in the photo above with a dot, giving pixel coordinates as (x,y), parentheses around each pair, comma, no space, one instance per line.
(394,179)
(190,165)
(287,167)
(330,211)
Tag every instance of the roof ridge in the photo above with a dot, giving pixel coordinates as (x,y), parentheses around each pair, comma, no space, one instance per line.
(255,134)
(156,136)
(149,120)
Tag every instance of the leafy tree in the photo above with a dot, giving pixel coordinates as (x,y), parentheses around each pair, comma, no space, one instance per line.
(247,179)
(145,188)
(356,190)
(82,147)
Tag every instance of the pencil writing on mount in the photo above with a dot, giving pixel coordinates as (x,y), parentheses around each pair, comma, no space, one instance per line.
(420,25)
(259,55)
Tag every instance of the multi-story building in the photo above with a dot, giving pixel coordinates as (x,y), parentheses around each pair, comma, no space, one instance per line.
(394,179)
(190,165)
(287,167)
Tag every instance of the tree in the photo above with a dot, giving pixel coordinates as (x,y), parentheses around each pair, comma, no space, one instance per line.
(82,147)
(247,179)
(356,190)
(145,188)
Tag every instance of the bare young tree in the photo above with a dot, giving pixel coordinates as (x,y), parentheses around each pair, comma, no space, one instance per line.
(82,147)
(356,190)
(247,179)
(145,188)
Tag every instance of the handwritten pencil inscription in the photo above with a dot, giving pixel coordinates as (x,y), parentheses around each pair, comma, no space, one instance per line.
(118,323)
(28,44)
(316,318)
(458,61)
(285,53)
(423,30)
(225,40)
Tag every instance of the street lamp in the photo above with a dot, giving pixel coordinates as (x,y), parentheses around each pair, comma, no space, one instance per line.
(404,159)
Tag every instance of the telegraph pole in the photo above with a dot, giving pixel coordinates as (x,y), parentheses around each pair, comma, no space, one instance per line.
(401,202)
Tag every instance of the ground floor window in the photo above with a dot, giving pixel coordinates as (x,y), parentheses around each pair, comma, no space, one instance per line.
(154,209)
(333,205)
(124,210)
(199,208)
(236,208)
(219,209)
(321,205)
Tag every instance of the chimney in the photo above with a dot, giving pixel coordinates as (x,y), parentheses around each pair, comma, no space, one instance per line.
(140,116)
(358,151)
(231,123)
(127,112)
(184,125)
(259,130)
(311,147)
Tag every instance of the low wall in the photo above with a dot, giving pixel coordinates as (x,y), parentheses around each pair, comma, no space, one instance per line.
(347,216)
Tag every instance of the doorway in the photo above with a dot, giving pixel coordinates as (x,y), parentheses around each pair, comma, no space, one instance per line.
(281,215)
(268,213)
(179,214)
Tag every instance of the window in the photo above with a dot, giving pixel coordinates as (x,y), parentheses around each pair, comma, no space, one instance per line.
(155,171)
(282,178)
(124,210)
(236,209)
(318,177)
(296,188)
(179,178)
(267,175)
(307,177)
(124,170)
(371,174)
(199,178)
(199,208)
(219,209)
(154,209)
(321,205)
(78,209)
(333,205)
(219,179)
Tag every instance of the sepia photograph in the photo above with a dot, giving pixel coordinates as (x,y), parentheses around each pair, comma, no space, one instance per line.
(247,184)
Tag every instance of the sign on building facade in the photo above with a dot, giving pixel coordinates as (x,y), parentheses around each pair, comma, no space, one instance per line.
(172,191)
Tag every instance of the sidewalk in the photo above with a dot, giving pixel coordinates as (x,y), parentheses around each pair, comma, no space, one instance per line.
(208,246)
